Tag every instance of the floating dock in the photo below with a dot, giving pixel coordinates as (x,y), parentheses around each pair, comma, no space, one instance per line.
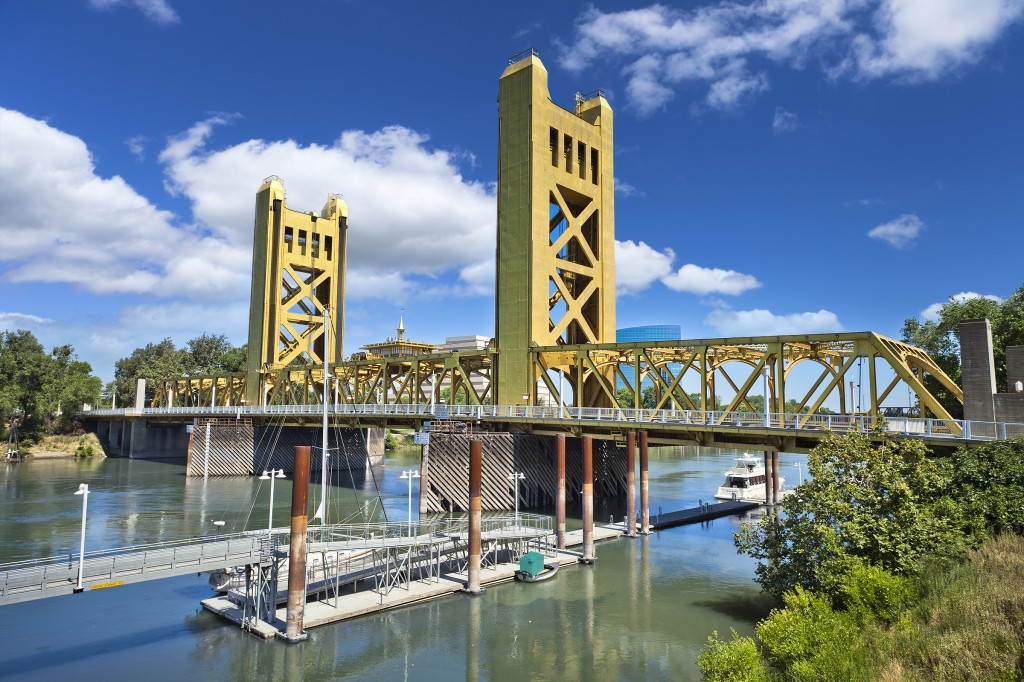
(699,514)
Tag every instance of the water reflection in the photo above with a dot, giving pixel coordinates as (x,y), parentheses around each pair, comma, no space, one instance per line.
(642,612)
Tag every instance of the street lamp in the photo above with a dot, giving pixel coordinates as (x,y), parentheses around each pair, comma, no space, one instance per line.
(800,471)
(517,476)
(270,476)
(83,490)
(408,475)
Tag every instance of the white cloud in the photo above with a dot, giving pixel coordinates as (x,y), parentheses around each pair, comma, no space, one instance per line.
(412,213)
(638,265)
(21,320)
(61,222)
(157,11)
(932,311)
(626,189)
(925,38)
(766,323)
(702,281)
(661,47)
(784,121)
(137,146)
(899,233)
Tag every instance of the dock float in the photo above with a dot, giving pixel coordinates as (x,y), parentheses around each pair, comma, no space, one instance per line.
(366,601)
(700,514)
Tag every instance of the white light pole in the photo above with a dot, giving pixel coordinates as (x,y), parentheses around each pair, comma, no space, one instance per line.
(800,471)
(83,490)
(270,476)
(516,476)
(408,475)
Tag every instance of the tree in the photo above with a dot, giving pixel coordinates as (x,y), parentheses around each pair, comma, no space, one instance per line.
(879,504)
(941,338)
(204,355)
(988,482)
(152,362)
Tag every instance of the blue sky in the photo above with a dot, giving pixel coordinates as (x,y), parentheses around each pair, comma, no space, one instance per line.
(782,166)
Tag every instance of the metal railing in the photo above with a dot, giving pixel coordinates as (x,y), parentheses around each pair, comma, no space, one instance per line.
(520,56)
(933,429)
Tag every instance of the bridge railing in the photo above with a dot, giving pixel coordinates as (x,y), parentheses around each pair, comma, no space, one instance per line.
(927,427)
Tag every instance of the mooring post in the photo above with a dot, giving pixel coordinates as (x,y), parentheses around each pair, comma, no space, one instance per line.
(476,455)
(588,500)
(560,491)
(294,631)
(768,477)
(631,484)
(645,502)
(776,493)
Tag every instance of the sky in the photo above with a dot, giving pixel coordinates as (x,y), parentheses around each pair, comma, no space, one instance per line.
(781,166)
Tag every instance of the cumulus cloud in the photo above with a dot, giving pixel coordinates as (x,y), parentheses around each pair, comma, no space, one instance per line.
(759,322)
(412,213)
(660,47)
(899,233)
(157,11)
(932,311)
(695,279)
(638,266)
(784,121)
(21,320)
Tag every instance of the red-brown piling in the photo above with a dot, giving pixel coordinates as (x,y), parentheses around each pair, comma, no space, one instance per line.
(631,484)
(476,456)
(294,631)
(588,500)
(768,477)
(560,491)
(645,502)
(776,492)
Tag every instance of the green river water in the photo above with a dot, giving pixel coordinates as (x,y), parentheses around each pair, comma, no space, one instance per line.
(643,611)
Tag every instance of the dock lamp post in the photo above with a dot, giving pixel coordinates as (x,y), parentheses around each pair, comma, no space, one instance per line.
(516,476)
(270,476)
(408,475)
(83,490)
(800,471)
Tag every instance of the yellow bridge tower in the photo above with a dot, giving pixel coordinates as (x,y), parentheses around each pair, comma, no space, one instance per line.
(298,270)
(556,228)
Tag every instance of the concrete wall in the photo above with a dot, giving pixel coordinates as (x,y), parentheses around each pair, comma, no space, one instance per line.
(978,370)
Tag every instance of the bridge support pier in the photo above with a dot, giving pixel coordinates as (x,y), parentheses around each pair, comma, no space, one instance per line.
(645,502)
(630,520)
(294,630)
(588,501)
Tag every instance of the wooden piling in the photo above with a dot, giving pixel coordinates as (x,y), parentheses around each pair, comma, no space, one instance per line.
(560,491)
(294,631)
(776,493)
(645,502)
(588,500)
(630,521)
(768,481)
(475,505)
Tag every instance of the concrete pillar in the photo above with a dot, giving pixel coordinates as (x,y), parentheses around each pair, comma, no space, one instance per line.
(560,491)
(476,456)
(631,484)
(645,502)
(588,500)
(140,394)
(978,370)
(294,631)
(776,492)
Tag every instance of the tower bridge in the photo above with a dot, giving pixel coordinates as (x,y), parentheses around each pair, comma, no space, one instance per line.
(554,365)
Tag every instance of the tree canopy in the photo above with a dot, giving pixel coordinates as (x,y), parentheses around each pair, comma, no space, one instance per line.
(941,338)
(42,390)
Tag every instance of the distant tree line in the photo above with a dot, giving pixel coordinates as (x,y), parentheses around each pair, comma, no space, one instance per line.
(203,355)
(41,392)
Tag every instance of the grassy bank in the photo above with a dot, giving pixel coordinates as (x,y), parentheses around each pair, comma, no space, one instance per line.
(81,445)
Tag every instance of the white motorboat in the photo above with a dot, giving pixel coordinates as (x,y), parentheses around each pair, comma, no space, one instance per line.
(745,481)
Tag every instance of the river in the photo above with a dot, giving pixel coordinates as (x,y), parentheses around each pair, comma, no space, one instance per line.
(643,611)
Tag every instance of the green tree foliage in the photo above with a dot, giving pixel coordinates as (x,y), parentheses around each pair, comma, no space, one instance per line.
(988,483)
(735,660)
(879,504)
(43,390)
(941,338)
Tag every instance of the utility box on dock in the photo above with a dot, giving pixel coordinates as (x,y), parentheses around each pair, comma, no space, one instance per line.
(531,563)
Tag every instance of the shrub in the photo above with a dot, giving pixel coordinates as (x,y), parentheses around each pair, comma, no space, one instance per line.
(731,661)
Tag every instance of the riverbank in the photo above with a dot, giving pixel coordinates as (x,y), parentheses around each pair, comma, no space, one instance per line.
(56,447)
